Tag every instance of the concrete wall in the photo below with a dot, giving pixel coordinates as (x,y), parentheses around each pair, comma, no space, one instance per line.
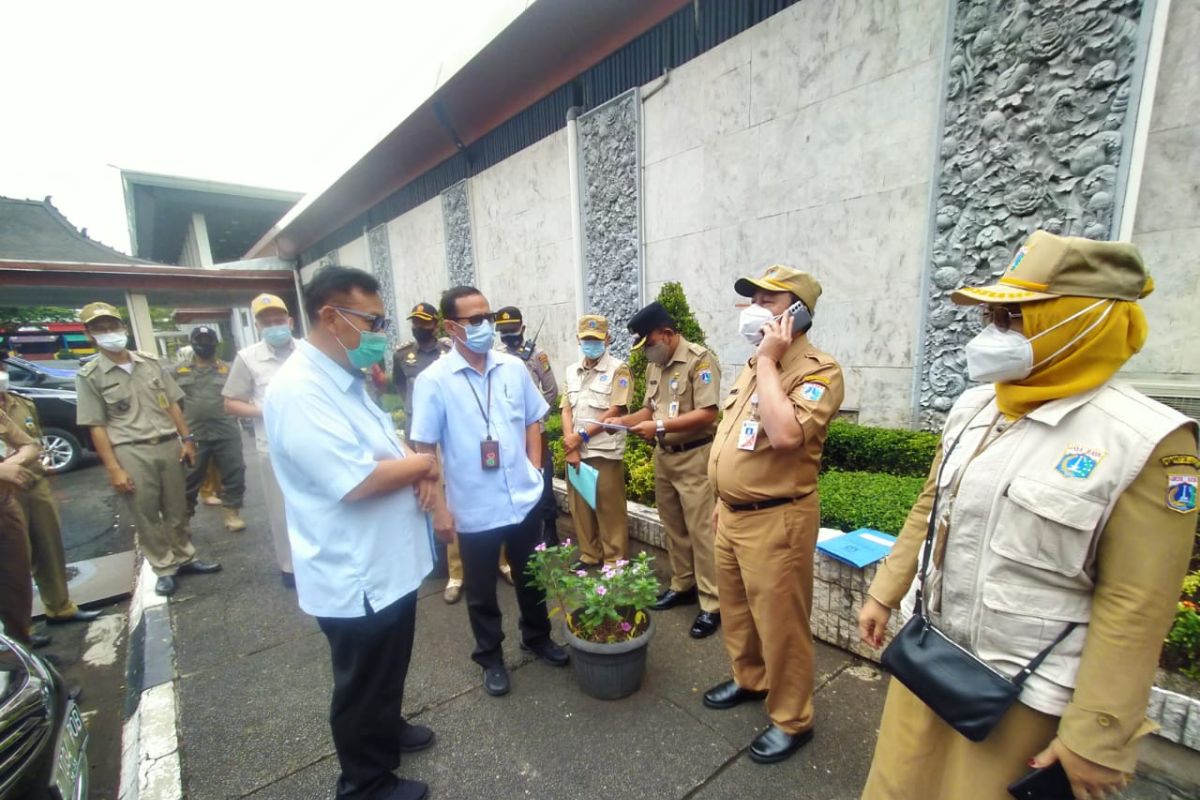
(1167,216)
(807,140)
(418,259)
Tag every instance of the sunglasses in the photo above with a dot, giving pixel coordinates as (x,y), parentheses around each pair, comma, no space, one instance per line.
(377,322)
(477,319)
(1000,316)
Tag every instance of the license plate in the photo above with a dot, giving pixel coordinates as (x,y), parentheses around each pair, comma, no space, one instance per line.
(71,764)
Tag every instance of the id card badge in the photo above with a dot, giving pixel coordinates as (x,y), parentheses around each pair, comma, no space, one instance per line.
(673,409)
(489,454)
(748,437)
(162,400)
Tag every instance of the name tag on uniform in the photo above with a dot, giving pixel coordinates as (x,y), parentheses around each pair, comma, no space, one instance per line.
(673,409)
(489,454)
(748,437)
(162,400)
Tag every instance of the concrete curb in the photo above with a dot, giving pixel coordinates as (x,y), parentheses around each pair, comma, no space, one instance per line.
(150,766)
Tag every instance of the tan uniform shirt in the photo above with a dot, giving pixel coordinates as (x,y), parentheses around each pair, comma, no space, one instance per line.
(690,380)
(591,391)
(23,412)
(12,438)
(812,380)
(249,377)
(131,405)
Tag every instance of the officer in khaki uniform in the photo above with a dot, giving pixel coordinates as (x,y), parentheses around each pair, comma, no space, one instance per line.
(1074,500)
(598,387)
(683,387)
(764,471)
(218,437)
(18,452)
(131,404)
(49,561)
(413,357)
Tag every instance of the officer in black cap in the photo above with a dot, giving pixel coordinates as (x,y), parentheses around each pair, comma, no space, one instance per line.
(412,357)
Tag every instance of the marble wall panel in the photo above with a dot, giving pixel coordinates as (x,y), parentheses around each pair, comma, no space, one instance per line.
(418,250)
(355,254)
(1177,96)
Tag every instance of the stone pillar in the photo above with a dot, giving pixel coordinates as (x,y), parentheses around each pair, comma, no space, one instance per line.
(379,251)
(1038,110)
(141,325)
(610,185)
(460,248)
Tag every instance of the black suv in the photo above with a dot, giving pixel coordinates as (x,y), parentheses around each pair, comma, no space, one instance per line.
(63,440)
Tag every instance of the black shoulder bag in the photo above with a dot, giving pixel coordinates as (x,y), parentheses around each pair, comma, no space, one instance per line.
(969,694)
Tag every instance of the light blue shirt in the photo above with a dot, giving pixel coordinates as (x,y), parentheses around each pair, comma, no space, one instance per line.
(326,436)
(448,413)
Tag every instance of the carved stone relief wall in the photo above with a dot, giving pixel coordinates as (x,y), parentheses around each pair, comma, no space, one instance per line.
(379,249)
(610,189)
(1034,134)
(460,251)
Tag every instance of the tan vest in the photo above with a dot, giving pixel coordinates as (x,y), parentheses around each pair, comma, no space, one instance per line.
(1025,521)
(589,395)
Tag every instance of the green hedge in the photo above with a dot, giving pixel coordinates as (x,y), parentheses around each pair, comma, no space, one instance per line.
(862,448)
(876,500)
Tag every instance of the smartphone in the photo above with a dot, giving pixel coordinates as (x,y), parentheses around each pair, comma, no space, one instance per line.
(801,317)
(1046,783)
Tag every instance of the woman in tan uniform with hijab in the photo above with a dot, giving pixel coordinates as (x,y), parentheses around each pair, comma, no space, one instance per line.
(1067,498)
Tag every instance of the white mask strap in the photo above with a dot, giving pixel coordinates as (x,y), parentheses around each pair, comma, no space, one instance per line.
(1082,333)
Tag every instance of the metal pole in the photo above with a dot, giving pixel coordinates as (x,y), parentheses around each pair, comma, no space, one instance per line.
(576,210)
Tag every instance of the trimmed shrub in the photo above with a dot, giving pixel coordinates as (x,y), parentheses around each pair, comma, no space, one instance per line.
(876,500)
(862,448)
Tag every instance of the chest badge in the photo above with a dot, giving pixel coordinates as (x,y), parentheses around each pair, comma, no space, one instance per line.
(411,358)
(604,377)
(1079,462)
(1181,492)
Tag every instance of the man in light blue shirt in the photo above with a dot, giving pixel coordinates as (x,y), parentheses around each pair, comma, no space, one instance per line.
(482,408)
(360,536)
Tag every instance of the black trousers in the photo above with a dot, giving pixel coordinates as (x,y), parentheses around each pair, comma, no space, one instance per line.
(548,504)
(480,552)
(231,464)
(370,662)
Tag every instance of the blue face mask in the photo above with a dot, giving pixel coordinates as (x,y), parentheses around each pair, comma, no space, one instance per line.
(480,338)
(372,347)
(277,335)
(591,348)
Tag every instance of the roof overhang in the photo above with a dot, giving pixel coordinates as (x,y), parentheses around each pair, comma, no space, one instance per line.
(548,45)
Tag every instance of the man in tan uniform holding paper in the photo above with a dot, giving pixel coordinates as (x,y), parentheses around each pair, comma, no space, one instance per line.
(131,403)
(599,386)
(683,385)
(764,471)
(18,451)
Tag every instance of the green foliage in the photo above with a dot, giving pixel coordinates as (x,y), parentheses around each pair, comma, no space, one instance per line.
(1181,648)
(876,500)
(639,471)
(862,448)
(15,316)
(605,607)
(673,299)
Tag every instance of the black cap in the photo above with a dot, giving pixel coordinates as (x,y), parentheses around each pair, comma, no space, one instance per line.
(426,312)
(203,330)
(509,318)
(647,321)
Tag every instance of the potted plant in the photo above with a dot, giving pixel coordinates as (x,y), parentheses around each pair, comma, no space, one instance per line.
(608,628)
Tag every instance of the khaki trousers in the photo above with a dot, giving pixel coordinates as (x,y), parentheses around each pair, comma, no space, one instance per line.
(49,560)
(603,532)
(920,757)
(454,567)
(16,593)
(765,571)
(157,504)
(276,517)
(685,505)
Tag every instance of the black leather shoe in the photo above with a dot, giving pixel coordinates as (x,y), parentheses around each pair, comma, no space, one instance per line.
(773,745)
(706,624)
(415,738)
(165,585)
(39,640)
(549,652)
(199,568)
(495,681)
(79,616)
(671,598)
(288,580)
(409,790)
(729,694)
(581,564)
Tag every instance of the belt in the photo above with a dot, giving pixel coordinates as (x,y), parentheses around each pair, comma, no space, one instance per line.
(761,504)
(683,448)
(152,440)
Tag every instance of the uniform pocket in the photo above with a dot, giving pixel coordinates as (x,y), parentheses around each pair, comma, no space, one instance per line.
(1046,527)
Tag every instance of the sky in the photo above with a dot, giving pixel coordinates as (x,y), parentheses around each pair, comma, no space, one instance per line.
(284,95)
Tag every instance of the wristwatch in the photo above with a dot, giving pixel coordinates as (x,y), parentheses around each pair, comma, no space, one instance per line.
(189,438)
(583,434)
(660,428)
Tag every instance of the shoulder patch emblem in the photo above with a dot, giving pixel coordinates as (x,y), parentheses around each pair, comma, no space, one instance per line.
(705,376)
(544,360)
(1079,462)
(812,391)
(411,358)
(183,370)
(1181,460)
(623,382)
(816,379)
(1181,493)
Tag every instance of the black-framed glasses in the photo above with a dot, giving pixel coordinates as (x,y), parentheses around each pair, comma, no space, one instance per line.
(1001,316)
(377,322)
(477,319)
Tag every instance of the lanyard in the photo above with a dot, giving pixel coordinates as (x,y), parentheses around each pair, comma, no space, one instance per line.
(487,420)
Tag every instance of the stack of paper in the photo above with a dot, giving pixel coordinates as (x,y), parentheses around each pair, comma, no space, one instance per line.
(858,548)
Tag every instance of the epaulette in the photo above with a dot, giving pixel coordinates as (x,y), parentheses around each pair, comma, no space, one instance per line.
(89,367)
(697,349)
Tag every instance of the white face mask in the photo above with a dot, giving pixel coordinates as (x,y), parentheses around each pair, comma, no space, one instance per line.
(751,322)
(112,342)
(3,382)
(996,356)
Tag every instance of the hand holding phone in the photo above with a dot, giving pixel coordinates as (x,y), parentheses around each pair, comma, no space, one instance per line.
(1044,783)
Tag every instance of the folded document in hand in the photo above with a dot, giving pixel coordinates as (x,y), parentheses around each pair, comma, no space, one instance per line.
(584,478)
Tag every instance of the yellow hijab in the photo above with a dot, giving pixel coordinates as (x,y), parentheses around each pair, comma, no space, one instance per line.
(1086,364)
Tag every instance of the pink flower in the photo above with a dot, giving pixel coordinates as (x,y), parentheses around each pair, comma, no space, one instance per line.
(582,573)
(601,590)
(540,547)
(626,627)
(623,562)
(566,542)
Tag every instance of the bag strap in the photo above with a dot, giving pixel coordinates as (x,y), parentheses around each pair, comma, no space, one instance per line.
(1031,667)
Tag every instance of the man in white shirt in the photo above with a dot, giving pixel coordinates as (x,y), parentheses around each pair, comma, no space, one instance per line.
(361,541)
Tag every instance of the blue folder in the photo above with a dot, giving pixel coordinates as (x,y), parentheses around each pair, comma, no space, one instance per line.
(858,548)
(584,480)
